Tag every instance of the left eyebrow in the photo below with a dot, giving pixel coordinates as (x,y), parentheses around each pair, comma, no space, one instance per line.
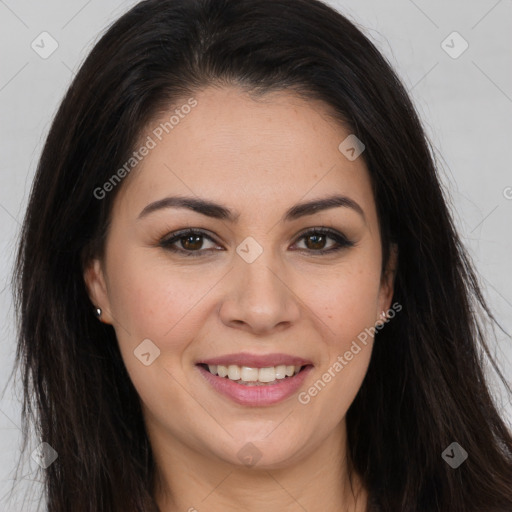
(317,205)
(218,211)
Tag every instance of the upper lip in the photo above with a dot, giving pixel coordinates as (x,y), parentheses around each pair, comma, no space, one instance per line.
(256,361)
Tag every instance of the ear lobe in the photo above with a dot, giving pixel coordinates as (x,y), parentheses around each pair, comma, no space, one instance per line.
(388,281)
(97,289)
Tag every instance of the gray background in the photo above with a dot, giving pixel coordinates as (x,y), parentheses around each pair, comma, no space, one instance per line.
(465,104)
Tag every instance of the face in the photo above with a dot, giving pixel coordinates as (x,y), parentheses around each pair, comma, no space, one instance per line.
(274,293)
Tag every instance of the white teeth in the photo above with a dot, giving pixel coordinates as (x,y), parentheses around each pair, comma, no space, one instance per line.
(280,371)
(249,374)
(234,372)
(222,371)
(267,374)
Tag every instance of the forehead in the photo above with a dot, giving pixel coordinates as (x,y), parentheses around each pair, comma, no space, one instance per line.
(244,152)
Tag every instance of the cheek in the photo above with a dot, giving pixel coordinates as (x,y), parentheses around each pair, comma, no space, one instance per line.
(155,302)
(347,308)
(345,358)
(153,299)
(346,301)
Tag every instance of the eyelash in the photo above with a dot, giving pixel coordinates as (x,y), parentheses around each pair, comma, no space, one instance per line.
(167,243)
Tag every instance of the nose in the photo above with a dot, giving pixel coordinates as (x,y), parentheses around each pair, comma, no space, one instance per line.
(259,297)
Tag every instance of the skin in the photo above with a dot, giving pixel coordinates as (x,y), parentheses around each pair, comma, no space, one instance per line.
(258,157)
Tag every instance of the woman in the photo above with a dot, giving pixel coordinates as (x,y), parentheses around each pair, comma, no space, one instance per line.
(239,284)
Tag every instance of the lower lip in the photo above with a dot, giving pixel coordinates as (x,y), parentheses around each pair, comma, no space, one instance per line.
(256,395)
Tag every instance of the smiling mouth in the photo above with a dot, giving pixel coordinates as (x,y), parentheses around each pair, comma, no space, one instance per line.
(249,376)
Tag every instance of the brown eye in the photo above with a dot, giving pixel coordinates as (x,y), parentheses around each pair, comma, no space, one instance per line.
(191,242)
(317,242)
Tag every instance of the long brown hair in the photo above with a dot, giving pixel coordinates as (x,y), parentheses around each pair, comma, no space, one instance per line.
(425,386)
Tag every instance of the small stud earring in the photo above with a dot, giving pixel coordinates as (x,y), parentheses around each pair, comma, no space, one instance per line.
(98,312)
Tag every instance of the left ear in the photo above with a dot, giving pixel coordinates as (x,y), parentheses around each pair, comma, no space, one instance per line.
(387,284)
